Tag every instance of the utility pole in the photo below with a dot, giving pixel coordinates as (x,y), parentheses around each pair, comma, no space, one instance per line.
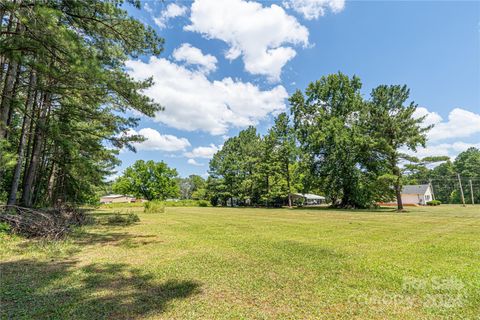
(461,189)
(431,188)
(471,190)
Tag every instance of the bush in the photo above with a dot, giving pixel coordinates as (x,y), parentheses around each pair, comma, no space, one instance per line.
(4,227)
(121,219)
(154,207)
(122,205)
(434,203)
(158,206)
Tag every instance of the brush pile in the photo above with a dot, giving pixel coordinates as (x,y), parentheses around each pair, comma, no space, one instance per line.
(44,223)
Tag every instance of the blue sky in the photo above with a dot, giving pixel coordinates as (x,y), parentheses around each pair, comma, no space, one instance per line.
(228,64)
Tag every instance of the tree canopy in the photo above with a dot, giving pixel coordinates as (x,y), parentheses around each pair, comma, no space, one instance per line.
(149,180)
(336,143)
(64,93)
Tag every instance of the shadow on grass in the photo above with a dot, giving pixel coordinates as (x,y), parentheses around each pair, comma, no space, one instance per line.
(314,208)
(326,208)
(113,238)
(63,290)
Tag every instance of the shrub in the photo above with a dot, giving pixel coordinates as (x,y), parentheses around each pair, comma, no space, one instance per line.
(158,206)
(154,207)
(434,203)
(4,227)
(123,219)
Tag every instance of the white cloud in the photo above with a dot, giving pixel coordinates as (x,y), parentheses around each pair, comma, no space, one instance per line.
(194,163)
(193,102)
(442,149)
(173,10)
(194,56)
(156,141)
(430,117)
(461,123)
(203,152)
(313,9)
(147,7)
(256,33)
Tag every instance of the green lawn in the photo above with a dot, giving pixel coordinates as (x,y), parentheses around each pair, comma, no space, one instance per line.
(218,263)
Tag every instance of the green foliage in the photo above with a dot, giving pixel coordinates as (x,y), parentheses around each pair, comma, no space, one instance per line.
(337,144)
(192,187)
(154,206)
(149,180)
(185,203)
(157,206)
(434,203)
(123,219)
(122,205)
(329,122)
(255,170)
(4,228)
(202,203)
(69,58)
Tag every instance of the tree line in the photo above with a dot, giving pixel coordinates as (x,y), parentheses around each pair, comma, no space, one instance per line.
(64,94)
(334,142)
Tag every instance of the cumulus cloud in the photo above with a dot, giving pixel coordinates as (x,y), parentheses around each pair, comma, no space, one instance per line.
(194,56)
(443,149)
(461,123)
(193,102)
(172,10)
(147,7)
(203,152)
(256,33)
(313,9)
(193,162)
(156,141)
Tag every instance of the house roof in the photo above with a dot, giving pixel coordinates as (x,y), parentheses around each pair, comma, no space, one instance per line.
(309,196)
(415,189)
(113,196)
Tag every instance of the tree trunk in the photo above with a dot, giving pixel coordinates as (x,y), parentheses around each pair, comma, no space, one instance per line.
(35,114)
(3,59)
(51,185)
(12,198)
(288,187)
(398,188)
(36,150)
(7,96)
(14,96)
(398,191)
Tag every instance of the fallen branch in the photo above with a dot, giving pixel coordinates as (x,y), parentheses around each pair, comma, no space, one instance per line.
(50,223)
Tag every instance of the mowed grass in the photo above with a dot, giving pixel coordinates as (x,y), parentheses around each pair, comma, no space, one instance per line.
(229,263)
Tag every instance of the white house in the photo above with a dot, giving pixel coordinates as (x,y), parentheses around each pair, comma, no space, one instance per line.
(117,198)
(308,198)
(417,194)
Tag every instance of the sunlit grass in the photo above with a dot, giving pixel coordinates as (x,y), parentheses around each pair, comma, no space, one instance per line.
(231,263)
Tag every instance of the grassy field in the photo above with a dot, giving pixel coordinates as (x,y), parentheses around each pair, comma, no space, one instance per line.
(219,263)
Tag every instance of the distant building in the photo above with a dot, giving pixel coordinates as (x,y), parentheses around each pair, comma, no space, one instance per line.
(308,199)
(418,194)
(117,198)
